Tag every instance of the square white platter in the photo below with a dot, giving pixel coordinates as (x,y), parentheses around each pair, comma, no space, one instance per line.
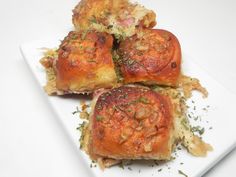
(218,121)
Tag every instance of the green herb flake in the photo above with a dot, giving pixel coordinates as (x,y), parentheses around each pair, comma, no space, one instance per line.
(156,162)
(99,118)
(107,13)
(129,110)
(76,111)
(179,148)
(129,168)
(116,108)
(198,129)
(143,100)
(185,123)
(83,35)
(204,109)
(81,47)
(121,165)
(160,170)
(93,19)
(74,36)
(182,173)
(130,62)
(81,126)
(109,26)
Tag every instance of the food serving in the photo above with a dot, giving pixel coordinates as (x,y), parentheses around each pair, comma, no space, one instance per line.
(133,72)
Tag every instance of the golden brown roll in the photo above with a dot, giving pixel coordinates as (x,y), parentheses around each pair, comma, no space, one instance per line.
(153,56)
(119,17)
(135,122)
(84,63)
(132,122)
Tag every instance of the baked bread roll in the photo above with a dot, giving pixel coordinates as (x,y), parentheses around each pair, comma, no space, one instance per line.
(135,122)
(84,63)
(131,122)
(152,56)
(118,17)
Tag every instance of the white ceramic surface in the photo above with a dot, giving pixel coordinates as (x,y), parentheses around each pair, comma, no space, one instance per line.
(219,116)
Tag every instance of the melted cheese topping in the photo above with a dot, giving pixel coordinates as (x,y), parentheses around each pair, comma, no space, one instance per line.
(118,17)
(183,133)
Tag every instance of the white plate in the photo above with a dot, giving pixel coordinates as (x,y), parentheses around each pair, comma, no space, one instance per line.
(219,116)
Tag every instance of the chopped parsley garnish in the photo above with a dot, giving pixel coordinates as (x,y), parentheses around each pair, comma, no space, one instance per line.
(83,35)
(143,100)
(130,62)
(82,128)
(185,123)
(121,165)
(139,100)
(156,162)
(117,60)
(76,111)
(116,108)
(99,118)
(93,19)
(182,173)
(109,26)
(198,129)
(74,36)
(129,168)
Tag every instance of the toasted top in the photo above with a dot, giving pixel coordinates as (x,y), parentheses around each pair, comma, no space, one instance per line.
(131,123)
(85,62)
(119,17)
(152,56)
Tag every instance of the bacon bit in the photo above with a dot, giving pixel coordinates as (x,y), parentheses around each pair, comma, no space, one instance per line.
(126,22)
